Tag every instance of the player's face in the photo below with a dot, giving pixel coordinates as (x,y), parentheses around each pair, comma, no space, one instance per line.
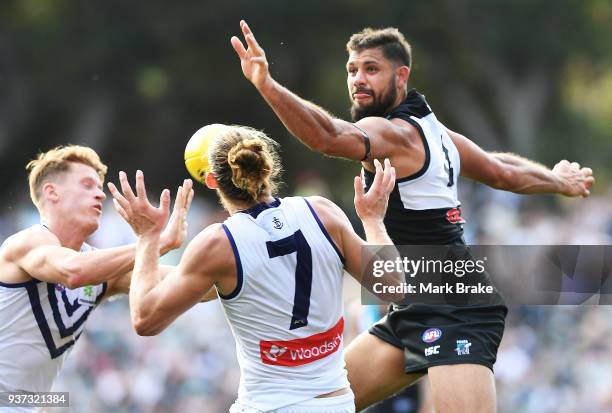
(80,195)
(371,83)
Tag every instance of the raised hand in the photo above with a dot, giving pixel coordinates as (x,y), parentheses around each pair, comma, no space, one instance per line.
(577,181)
(175,232)
(253,58)
(144,218)
(373,204)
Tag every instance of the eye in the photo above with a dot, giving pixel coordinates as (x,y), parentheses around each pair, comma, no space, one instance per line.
(352,71)
(89,184)
(372,69)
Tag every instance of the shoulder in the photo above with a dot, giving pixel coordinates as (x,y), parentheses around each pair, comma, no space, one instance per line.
(17,247)
(395,126)
(398,124)
(210,236)
(330,215)
(210,249)
(334,220)
(320,203)
(323,206)
(395,131)
(19,244)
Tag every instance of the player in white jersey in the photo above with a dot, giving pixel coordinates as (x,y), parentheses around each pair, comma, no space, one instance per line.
(277,265)
(50,279)
(390,121)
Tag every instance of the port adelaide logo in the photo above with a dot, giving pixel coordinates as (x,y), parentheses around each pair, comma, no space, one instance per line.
(431,334)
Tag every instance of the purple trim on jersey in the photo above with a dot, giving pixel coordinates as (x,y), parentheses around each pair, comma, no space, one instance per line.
(329,238)
(238,266)
(43,325)
(19,285)
(103,293)
(70,308)
(254,211)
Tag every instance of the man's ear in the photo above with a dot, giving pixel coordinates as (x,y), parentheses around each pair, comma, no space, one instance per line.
(211,181)
(50,192)
(402,74)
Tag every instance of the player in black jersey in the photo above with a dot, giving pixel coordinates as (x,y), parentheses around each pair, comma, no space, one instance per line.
(455,345)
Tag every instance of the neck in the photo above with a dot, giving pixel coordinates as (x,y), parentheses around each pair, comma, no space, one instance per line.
(237,206)
(69,235)
(401,96)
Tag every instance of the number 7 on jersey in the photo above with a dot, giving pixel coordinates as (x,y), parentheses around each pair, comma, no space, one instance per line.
(303,273)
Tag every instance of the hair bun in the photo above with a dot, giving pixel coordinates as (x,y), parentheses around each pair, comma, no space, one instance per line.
(251,165)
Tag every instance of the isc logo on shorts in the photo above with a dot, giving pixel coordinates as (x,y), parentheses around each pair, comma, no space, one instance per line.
(429,351)
(302,350)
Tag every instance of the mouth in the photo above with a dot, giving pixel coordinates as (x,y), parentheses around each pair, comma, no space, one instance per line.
(358,96)
(98,208)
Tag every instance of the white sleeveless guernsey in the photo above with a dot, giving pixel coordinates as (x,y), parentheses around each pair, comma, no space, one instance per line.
(39,324)
(436,187)
(286,311)
(424,207)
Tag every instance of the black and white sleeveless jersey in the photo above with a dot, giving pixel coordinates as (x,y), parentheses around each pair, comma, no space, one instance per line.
(424,207)
(39,324)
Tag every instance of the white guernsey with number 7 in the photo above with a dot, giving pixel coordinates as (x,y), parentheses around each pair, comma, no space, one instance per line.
(288,330)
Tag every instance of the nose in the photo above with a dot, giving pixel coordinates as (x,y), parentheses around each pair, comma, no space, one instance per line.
(359,79)
(100,196)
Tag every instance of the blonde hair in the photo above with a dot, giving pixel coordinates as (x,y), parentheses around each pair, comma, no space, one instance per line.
(245,163)
(56,161)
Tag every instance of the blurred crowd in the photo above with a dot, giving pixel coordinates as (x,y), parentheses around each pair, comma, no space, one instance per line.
(552,358)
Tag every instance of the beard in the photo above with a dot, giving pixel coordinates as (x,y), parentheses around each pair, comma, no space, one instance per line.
(378,107)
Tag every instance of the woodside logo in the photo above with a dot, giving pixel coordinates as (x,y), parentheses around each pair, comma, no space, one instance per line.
(302,351)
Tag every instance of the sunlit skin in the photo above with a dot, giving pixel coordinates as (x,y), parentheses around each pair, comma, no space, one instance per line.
(375,84)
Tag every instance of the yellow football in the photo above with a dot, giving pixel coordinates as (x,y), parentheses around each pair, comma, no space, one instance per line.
(196,151)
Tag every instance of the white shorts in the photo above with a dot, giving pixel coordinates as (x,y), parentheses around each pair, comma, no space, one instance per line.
(344,403)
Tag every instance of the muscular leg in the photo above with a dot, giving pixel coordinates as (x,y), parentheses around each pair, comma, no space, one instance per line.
(462,388)
(375,370)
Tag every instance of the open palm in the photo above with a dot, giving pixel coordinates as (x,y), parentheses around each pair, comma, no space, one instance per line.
(143,217)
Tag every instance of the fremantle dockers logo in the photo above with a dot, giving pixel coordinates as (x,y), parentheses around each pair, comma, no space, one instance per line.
(277,223)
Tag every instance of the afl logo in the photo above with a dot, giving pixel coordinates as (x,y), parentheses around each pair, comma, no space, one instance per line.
(432,334)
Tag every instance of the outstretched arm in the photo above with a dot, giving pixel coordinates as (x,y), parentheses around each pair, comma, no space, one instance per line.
(39,254)
(156,301)
(311,124)
(513,173)
(121,284)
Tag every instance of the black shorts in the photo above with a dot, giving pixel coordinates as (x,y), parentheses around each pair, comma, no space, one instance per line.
(434,335)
